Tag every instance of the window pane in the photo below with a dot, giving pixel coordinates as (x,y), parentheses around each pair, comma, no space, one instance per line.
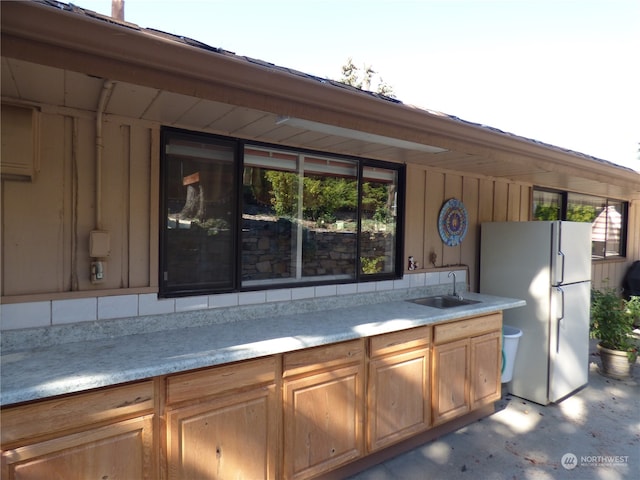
(606,231)
(199,222)
(379,220)
(269,217)
(546,205)
(329,219)
(299,218)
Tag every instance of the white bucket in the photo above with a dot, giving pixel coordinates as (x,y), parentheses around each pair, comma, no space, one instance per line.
(510,338)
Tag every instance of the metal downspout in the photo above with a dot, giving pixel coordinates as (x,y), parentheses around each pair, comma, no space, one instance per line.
(107,88)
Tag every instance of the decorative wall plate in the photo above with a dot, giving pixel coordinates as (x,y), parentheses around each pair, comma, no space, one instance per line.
(452,222)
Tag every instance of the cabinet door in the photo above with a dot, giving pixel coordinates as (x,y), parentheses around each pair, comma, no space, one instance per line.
(323,421)
(485,369)
(450,394)
(230,437)
(398,397)
(120,451)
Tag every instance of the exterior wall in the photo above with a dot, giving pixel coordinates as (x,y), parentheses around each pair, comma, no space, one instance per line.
(485,199)
(47,221)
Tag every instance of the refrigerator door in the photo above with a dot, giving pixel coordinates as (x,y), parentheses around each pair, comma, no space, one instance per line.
(569,339)
(571,259)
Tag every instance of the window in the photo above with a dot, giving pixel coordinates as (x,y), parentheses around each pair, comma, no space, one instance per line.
(198,215)
(303,217)
(608,218)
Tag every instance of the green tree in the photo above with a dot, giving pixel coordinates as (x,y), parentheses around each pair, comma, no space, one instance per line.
(364,78)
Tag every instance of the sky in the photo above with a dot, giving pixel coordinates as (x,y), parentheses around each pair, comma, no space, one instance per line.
(563,72)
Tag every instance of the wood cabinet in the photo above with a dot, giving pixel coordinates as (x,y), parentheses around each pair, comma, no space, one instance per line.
(466,368)
(486,361)
(398,392)
(323,408)
(223,422)
(295,415)
(102,434)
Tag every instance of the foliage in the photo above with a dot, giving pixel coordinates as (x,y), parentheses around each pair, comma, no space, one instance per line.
(362,78)
(581,213)
(547,212)
(371,265)
(612,320)
(284,192)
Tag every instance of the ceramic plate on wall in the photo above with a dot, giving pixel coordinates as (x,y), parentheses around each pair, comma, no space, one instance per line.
(452,222)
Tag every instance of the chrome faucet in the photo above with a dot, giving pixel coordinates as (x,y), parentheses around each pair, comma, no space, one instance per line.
(455,294)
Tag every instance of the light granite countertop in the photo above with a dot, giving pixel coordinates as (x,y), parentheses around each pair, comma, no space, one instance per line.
(43,372)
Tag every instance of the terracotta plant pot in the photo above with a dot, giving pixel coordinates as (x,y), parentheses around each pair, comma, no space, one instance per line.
(615,363)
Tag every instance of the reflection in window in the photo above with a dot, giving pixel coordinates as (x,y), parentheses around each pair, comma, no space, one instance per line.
(547,205)
(608,218)
(299,219)
(379,215)
(199,199)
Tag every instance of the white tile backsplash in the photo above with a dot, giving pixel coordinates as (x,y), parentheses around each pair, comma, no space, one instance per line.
(118,306)
(25,315)
(416,279)
(281,295)
(150,304)
(326,290)
(384,285)
(347,289)
(251,298)
(184,304)
(302,293)
(223,300)
(74,310)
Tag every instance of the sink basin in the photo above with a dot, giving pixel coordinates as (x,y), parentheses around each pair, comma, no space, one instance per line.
(443,301)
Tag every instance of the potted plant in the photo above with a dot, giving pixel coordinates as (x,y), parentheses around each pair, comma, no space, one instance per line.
(612,319)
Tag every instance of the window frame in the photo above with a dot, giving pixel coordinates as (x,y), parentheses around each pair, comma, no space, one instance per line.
(239,150)
(564,196)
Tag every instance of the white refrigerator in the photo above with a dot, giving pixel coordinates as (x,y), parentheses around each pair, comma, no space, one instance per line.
(548,264)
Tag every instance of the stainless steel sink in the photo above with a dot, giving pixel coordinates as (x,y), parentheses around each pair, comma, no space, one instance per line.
(443,301)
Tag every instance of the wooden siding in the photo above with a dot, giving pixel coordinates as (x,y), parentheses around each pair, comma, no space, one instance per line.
(485,199)
(46,221)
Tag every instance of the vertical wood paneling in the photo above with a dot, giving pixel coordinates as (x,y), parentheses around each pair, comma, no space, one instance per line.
(485,201)
(85,213)
(32,218)
(154,206)
(469,250)
(140,208)
(500,199)
(434,198)
(415,215)
(513,202)
(526,203)
(115,178)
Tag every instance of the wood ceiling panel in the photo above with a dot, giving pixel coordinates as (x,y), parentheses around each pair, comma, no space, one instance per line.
(168,107)
(203,113)
(9,86)
(38,83)
(81,91)
(130,100)
(235,119)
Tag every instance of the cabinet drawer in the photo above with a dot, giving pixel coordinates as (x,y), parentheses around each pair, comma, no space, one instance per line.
(402,340)
(216,380)
(323,357)
(466,328)
(50,417)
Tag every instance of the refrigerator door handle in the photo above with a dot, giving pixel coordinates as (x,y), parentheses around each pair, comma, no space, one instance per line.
(559,289)
(562,258)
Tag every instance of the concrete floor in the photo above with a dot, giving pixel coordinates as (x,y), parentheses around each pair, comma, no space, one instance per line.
(526,441)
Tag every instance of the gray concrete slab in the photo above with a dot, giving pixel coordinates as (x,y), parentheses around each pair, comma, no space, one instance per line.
(598,427)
